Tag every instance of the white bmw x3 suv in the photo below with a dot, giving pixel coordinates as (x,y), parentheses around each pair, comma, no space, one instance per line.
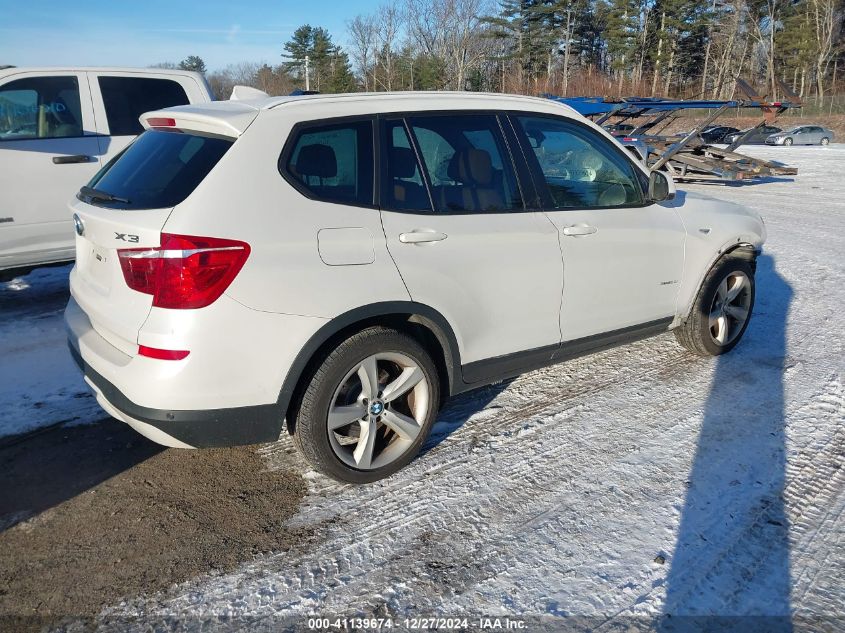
(339,264)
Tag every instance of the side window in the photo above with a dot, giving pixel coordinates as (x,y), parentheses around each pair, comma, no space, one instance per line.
(582,169)
(467,163)
(127,98)
(334,162)
(40,107)
(403,188)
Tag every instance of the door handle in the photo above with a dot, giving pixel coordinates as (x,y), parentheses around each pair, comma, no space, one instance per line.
(76,158)
(579,229)
(421,237)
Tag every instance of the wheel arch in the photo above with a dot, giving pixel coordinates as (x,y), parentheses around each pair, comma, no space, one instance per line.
(424,323)
(738,247)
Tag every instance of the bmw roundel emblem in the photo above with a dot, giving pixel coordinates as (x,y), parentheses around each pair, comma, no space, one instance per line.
(78,225)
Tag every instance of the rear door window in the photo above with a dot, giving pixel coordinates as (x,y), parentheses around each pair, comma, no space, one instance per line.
(467,163)
(403,187)
(40,107)
(158,170)
(127,98)
(332,162)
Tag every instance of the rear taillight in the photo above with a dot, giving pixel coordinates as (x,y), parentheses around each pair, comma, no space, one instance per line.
(185,272)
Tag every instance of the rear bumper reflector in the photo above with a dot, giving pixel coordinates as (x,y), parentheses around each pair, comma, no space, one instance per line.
(162,354)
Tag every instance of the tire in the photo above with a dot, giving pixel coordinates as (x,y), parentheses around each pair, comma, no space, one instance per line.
(712,318)
(825,141)
(787,141)
(392,427)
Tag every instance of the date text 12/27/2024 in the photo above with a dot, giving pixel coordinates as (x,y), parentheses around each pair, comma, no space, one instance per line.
(420,624)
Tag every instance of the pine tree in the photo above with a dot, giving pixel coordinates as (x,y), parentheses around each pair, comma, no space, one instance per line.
(622,37)
(329,69)
(194,63)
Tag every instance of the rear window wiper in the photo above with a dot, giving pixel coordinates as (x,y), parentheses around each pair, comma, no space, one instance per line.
(104,196)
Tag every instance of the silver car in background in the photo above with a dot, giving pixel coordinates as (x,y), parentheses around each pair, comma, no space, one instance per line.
(802,135)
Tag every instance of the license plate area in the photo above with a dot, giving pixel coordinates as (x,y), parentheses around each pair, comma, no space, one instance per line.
(98,269)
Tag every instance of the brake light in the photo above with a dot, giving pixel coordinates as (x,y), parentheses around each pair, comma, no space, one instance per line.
(161,122)
(162,354)
(185,272)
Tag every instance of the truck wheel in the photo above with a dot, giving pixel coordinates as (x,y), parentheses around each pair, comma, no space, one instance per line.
(369,407)
(722,309)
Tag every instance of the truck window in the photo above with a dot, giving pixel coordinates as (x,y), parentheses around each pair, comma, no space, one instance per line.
(127,98)
(39,108)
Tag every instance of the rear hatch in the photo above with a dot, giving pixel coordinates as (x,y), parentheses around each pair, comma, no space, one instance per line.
(121,214)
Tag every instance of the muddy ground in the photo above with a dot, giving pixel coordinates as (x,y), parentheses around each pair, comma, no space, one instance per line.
(91,514)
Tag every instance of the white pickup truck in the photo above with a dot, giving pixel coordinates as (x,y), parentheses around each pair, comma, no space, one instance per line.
(58,127)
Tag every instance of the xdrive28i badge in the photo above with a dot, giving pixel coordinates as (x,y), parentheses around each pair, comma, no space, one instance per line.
(78,225)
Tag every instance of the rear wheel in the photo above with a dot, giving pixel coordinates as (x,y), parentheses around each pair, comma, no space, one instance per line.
(722,309)
(825,141)
(787,141)
(369,408)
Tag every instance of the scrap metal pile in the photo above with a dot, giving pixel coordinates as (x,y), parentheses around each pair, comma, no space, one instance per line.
(686,156)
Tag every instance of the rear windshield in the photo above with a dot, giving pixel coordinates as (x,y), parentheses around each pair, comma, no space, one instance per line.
(158,170)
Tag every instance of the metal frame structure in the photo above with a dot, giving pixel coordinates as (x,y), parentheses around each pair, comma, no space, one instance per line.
(688,157)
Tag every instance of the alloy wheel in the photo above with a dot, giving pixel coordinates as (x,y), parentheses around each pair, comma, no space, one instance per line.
(378,410)
(730,308)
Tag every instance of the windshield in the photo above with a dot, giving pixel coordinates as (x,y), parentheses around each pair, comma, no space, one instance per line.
(158,170)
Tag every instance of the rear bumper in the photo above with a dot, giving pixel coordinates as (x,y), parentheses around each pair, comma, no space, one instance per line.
(179,428)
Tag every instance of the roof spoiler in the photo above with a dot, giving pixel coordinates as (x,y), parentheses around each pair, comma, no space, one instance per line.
(239,93)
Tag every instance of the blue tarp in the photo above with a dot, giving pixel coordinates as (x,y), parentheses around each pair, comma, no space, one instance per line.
(589,106)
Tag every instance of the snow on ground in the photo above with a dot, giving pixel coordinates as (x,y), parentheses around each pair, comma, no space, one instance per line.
(39,382)
(640,481)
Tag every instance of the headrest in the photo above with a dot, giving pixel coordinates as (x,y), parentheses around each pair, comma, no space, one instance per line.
(471,166)
(316,160)
(403,162)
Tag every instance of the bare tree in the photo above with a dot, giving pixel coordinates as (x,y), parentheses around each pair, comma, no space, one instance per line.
(387,31)
(825,28)
(764,18)
(362,33)
(452,31)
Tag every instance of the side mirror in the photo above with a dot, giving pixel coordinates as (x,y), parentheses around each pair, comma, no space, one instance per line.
(660,187)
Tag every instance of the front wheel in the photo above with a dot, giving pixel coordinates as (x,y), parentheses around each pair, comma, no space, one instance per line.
(787,141)
(370,406)
(722,309)
(825,141)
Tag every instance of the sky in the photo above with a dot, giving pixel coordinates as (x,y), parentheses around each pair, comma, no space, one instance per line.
(121,33)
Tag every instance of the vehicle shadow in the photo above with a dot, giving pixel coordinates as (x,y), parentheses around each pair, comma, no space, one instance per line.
(730,569)
(457,410)
(38,293)
(47,468)
(757,181)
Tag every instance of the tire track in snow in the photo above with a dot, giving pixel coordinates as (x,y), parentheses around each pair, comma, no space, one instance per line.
(556,495)
(515,485)
(814,479)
